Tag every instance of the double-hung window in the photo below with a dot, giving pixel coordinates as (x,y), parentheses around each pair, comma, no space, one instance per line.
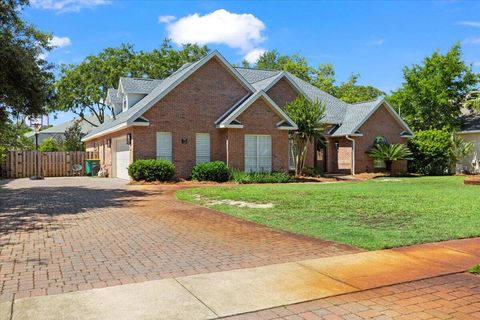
(258,153)
(164,146)
(202,147)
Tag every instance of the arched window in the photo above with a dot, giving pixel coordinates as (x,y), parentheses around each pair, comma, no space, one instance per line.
(380,140)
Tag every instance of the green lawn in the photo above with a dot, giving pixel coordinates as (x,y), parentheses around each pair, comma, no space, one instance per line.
(375,214)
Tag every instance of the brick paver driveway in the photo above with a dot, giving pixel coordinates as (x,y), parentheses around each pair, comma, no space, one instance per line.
(67,234)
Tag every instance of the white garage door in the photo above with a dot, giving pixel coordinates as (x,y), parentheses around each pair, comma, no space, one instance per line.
(122,158)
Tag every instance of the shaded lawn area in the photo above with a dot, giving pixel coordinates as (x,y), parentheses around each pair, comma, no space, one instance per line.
(375,214)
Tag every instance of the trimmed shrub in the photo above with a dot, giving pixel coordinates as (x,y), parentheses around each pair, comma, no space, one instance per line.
(50,145)
(261,177)
(151,170)
(431,151)
(211,171)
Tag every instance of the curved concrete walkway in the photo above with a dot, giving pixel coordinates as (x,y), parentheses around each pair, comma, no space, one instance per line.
(220,294)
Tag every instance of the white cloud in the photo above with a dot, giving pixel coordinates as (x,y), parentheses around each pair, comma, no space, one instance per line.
(475,24)
(471,40)
(240,31)
(59,42)
(166,19)
(377,42)
(67,5)
(253,55)
(476,64)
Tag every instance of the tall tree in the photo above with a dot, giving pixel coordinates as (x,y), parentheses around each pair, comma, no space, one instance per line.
(433,92)
(25,78)
(351,92)
(83,88)
(73,137)
(308,116)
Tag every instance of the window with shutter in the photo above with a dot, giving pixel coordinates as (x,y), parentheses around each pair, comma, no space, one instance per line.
(164,146)
(202,148)
(258,153)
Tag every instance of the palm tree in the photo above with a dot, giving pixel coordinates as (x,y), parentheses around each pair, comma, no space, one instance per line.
(390,153)
(459,150)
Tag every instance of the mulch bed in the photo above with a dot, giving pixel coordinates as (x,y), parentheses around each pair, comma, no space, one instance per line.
(474,180)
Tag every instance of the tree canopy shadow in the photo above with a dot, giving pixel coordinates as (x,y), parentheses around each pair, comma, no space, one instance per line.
(35,208)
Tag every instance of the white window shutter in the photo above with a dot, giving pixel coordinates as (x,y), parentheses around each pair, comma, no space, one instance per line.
(164,146)
(202,147)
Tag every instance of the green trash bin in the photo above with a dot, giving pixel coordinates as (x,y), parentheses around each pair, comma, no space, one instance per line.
(92,167)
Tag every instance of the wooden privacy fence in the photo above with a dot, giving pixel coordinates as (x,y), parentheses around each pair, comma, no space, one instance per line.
(22,164)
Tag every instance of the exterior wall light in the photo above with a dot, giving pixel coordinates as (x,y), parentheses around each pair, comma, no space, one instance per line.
(184,140)
(129,138)
(337,145)
(109,143)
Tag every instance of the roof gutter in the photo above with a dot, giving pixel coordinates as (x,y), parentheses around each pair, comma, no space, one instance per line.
(353,153)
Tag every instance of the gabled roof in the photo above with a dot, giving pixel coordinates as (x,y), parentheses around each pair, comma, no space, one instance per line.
(112,96)
(470,123)
(138,85)
(264,79)
(347,118)
(129,116)
(60,128)
(357,114)
(231,115)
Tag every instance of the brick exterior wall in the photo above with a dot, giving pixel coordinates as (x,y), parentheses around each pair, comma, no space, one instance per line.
(193,107)
(282,93)
(381,123)
(259,119)
(105,153)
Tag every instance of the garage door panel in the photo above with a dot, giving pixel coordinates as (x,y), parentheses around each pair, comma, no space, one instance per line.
(122,159)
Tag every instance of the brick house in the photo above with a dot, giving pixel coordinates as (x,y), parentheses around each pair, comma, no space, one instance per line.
(209,110)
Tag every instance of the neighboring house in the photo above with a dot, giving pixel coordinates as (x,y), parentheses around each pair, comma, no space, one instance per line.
(58,131)
(209,110)
(470,131)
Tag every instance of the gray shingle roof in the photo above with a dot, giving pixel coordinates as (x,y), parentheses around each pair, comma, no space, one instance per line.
(130,114)
(113,96)
(139,85)
(60,128)
(255,75)
(470,122)
(355,114)
(347,116)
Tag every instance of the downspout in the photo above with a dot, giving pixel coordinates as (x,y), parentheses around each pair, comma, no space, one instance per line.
(226,142)
(353,153)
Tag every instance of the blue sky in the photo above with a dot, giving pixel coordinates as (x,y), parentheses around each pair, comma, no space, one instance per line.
(376,39)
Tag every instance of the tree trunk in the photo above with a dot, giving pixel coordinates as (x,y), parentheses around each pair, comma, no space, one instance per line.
(388,164)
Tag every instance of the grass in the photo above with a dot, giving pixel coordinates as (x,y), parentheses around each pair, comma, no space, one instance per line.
(375,214)
(475,269)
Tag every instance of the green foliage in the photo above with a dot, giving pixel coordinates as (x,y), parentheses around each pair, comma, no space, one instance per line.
(83,88)
(390,153)
(308,116)
(351,92)
(260,177)
(50,145)
(12,138)
(73,137)
(312,172)
(151,170)
(472,101)
(434,91)
(431,151)
(211,171)
(475,269)
(25,79)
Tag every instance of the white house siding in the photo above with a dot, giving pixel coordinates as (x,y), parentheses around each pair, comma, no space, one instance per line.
(475,138)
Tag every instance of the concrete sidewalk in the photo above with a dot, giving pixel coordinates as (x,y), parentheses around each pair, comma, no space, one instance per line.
(219,294)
